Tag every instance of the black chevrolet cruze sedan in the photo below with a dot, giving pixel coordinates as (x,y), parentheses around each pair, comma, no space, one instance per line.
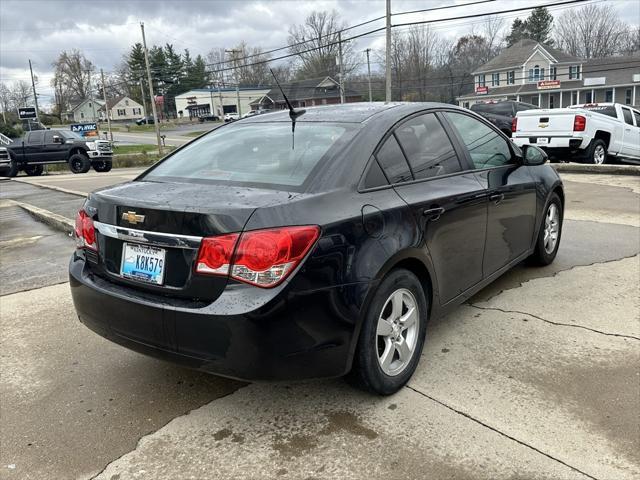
(261,254)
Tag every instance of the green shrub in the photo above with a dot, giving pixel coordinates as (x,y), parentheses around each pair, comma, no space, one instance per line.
(10,131)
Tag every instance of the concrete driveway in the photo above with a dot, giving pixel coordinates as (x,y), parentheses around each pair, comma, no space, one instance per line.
(538,376)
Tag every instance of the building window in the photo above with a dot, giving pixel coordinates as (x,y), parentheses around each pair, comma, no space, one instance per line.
(588,97)
(121,112)
(627,96)
(511,77)
(495,79)
(465,104)
(81,114)
(481,80)
(574,98)
(126,102)
(536,74)
(574,72)
(553,73)
(551,101)
(608,96)
(535,100)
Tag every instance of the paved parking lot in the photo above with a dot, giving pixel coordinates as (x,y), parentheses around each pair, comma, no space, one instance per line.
(538,376)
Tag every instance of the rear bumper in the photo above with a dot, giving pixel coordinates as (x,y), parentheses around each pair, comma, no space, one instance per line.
(283,335)
(574,143)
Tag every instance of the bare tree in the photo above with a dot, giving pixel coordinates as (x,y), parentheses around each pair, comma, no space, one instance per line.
(593,31)
(21,94)
(5,98)
(631,42)
(492,30)
(318,54)
(73,74)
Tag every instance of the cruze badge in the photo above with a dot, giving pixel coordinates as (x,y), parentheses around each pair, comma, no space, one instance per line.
(132,217)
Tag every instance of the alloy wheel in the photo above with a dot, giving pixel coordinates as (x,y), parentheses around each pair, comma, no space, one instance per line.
(397,332)
(551,228)
(598,155)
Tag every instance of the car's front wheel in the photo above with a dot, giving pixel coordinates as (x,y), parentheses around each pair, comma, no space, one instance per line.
(550,232)
(392,335)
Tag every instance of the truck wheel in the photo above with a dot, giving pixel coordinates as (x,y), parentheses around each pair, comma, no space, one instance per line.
(79,163)
(34,170)
(102,166)
(597,153)
(13,169)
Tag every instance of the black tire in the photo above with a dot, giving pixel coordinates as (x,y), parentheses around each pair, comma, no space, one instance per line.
(79,163)
(34,170)
(14,169)
(597,153)
(542,255)
(102,166)
(367,372)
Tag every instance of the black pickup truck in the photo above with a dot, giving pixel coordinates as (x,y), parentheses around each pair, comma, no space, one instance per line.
(501,113)
(41,147)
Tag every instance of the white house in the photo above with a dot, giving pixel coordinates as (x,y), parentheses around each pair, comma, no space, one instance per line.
(123,108)
(85,111)
(204,101)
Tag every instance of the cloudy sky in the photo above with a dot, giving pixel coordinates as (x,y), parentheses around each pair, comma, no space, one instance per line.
(104,30)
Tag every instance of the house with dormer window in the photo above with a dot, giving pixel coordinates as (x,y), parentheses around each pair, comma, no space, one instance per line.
(541,75)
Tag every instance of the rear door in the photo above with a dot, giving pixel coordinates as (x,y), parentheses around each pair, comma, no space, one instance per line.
(631,135)
(448,203)
(510,187)
(33,147)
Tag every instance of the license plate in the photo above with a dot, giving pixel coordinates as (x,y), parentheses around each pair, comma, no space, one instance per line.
(144,263)
(543,140)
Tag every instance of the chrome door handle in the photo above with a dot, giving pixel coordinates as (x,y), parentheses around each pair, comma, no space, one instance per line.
(496,198)
(433,213)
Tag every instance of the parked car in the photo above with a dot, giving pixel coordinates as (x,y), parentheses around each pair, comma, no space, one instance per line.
(594,132)
(251,113)
(5,162)
(502,113)
(42,147)
(208,118)
(230,117)
(149,120)
(249,255)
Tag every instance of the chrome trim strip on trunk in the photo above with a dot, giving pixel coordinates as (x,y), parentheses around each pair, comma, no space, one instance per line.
(170,240)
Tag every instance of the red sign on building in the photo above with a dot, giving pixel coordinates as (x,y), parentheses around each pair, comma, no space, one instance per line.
(482,90)
(548,84)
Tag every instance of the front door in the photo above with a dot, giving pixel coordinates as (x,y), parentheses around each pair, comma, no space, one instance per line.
(448,203)
(511,190)
(631,135)
(51,151)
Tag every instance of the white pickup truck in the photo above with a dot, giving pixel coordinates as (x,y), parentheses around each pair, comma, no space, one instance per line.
(593,132)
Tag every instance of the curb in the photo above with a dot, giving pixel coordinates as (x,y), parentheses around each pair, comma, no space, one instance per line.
(52,187)
(633,170)
(55,221)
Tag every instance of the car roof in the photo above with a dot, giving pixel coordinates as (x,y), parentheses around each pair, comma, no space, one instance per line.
(349,112)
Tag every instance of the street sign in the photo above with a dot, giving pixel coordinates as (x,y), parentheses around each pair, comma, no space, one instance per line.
(25,113)
(85,129)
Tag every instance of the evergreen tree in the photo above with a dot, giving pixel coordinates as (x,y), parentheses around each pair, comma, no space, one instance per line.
(536,27)
(518,32)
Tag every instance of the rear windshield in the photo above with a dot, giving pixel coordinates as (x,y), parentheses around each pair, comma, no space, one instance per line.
(254,153)
(496,108)
(608,110)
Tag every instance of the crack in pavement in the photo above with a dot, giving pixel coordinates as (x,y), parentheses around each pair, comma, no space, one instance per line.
(560,324)
(555,274)
(94,476)
(494,429)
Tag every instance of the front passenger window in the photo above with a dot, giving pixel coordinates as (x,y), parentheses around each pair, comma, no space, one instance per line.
(486,147)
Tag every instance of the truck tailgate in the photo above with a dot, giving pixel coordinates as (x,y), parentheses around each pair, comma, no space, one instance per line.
(556,122)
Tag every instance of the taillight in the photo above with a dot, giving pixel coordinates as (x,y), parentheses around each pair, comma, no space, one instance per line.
(579,123)
(262,257)
(215,254)
(514,124)
(85,231)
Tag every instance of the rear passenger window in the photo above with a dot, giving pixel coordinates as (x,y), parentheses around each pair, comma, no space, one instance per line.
(393,162)
(637,115)
(35,138)
(427,147)
(486,147)
(627,116)
(374,177)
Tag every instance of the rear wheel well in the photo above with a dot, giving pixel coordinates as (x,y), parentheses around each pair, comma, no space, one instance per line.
(604,136)
(418,268)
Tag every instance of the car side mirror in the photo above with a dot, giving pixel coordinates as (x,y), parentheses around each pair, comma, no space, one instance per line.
(57,139)
(533,155)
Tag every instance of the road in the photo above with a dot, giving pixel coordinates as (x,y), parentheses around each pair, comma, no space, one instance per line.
(537,376)
(176,137)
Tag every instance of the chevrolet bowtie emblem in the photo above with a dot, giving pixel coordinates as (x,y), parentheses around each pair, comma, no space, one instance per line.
(132,217)
(543,125)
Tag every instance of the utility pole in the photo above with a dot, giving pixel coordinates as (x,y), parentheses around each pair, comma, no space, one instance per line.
(369,74)
(144,100)
(387,96)
(341,74)
(153,103)
(235,71)
(106,105)
(35,95)
(91,100)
